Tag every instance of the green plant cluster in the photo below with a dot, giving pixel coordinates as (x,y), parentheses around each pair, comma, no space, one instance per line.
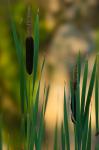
(32,132)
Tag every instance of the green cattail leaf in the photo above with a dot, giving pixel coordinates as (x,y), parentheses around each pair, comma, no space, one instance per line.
(41,131)
(42,66)
(66,123)
(35,107)
(18,46)
(96,103)
(84,88)
(62,137)
(46,98)
(79,66)
(55,138)
(16,41)
(89,137)
(90,90)
(75,137)
(36,49)
(28,130)
(85,134)
(23,129)
(78,118)
(34,119)
(36,139)
(22,89)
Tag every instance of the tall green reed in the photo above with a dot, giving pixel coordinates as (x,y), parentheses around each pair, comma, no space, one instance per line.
(30,104)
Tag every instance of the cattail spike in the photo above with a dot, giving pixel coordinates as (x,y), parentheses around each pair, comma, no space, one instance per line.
(29,42)
(29,54)
(73,99)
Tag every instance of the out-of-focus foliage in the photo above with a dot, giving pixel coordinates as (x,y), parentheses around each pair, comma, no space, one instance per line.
(97,39)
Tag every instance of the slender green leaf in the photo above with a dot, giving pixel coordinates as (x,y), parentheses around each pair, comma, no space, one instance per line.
(22,89)
(85,134)
(55,138)
(34,119)
(62,137)
(46,98)
(89,93)
(75,138)
(89,137)
(96,104)
(36,139)
(66,123)
(41,131)
(36,48)
(79,66)
(42,66)
(16,40)
(23,129)
(78,121)
(23,92)
(84,88)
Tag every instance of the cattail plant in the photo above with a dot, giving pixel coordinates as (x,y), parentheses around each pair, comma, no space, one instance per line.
(33,135)
(80,110)
(29,42)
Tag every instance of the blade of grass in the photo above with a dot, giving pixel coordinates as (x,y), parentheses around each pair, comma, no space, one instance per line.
(89,137)
(66,123)
(16,40)
(23,91)
(62,137)
(55,138)
(36,49)
(34,119)
(75,138)
(36,139)
(41,131)
(79,66)
(96,103)
(46,98)
(89,93)
(78,121)
(84,88)
(42,67)
(23,131)
(85,134)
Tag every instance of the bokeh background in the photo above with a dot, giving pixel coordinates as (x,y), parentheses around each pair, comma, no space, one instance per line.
(66,27)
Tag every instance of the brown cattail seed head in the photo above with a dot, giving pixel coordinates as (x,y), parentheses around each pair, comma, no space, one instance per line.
(29,42)
(73,99)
